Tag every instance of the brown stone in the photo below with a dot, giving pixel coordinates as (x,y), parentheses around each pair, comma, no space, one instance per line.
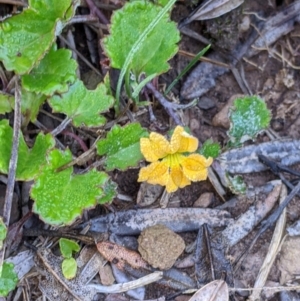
(205,200)
(160,246)
(222,118)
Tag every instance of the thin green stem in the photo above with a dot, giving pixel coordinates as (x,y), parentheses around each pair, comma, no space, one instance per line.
(186,69)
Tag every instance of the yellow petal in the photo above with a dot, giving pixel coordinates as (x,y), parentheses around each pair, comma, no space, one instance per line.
(155,147)
(171,186)
(155,173)
(195,166)
(179,179)
(182,142)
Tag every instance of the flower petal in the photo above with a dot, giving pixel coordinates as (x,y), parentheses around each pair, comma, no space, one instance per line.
(183,142)
(179,179)
(195,166)
(155,173)
(155,147)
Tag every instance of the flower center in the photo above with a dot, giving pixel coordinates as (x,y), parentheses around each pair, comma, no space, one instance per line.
(173,160)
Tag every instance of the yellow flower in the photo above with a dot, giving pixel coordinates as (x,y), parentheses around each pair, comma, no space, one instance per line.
(169,166)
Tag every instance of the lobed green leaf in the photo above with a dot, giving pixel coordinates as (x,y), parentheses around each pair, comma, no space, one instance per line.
(60,197)
(122,146)
(6,103)
(53,74)
(83,106)
(29,160)
(27,36)
(30,105)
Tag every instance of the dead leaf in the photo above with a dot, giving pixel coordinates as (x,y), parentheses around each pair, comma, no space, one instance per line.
(121,256)
(212,9)
(214,291)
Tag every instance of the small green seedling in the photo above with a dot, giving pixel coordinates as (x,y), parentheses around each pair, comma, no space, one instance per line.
(69,264)
(210,149)
(248,116)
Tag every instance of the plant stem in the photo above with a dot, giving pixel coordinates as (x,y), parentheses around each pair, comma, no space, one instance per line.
(12,164)
(165,103)
(83,19)
(61,127)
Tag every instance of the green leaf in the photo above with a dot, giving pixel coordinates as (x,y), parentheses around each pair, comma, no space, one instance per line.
(248,117)
(68,246)
(83,106)
(3,232)
(3,229)
(27,36)
(30,105)
(127,25)
(29,160)
(109,191)
(60,197)
(69,268)
(122,146)
(53,74)
(8,279)
(236,184)
(6,103)
(162,2)
(210,149)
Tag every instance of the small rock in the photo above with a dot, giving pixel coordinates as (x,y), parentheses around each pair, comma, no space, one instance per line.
(221,118)
(206,103)
(106,275)
(289,255)
(205,200)
(160,246)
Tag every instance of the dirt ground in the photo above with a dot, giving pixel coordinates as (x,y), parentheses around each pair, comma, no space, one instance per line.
(274,79)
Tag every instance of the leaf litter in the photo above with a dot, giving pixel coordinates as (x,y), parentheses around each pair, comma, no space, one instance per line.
(244,160)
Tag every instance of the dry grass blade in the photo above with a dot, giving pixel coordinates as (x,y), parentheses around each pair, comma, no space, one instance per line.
(214,291)
(272,251)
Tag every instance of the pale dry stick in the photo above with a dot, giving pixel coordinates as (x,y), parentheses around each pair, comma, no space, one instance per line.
(12,165)
(265,288)
(83,19)
(90,44)
(124,287)
(192,34)
(71,40)
(61,127)
(41,126)
(273,250)
(61,120)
